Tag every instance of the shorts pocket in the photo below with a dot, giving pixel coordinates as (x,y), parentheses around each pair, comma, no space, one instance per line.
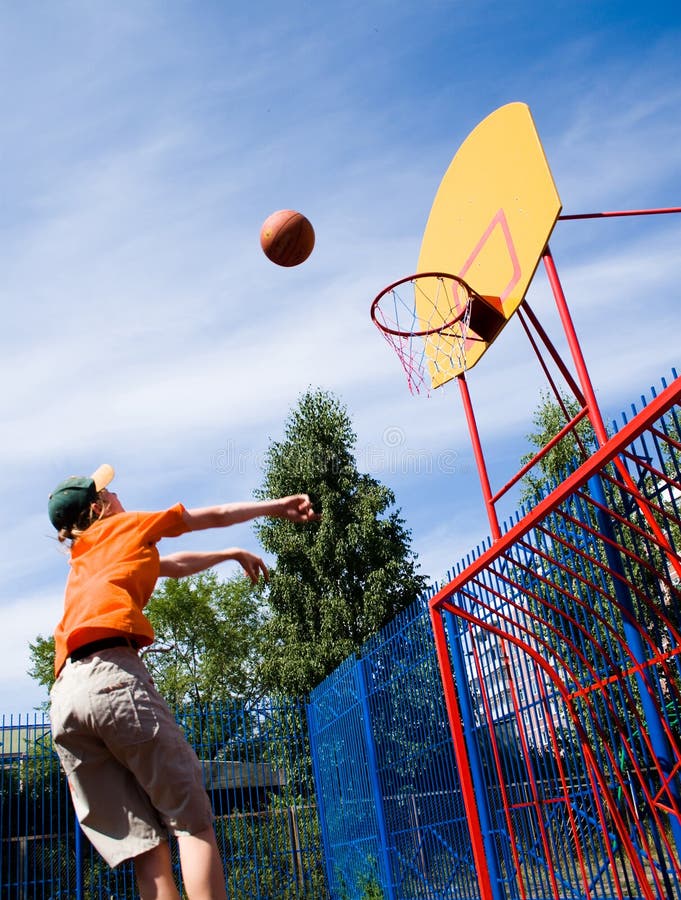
(125,714)
(63,729)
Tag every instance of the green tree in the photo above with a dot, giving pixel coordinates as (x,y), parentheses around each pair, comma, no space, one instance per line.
(337,582)
(42,662)
(207,637)
(548,419)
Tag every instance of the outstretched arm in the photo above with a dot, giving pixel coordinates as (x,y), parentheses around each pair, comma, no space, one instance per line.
(297,508)
(179,565)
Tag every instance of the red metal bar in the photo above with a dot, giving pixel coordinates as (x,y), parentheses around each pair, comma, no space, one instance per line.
(667,438)
(479,458)
(555,355)
(541,453)
(623,212)
(575,348)
(656,473)
(462,761)
(547,374)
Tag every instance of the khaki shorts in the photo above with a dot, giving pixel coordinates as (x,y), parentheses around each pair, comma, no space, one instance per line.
(133,776)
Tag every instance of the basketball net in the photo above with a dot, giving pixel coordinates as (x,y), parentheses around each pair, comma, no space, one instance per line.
(426,319)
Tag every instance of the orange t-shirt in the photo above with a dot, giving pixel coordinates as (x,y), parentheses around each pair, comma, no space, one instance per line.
(114,569)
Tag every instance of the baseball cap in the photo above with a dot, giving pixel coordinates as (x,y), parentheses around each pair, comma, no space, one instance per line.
(74,495)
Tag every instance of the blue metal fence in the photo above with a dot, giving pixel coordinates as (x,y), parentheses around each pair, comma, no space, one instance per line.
(36,829)
(257,769)
(390,801)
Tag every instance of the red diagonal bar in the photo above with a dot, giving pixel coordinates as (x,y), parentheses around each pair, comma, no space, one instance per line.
(662,211)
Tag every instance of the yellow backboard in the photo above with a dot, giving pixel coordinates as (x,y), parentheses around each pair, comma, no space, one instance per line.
(490,221)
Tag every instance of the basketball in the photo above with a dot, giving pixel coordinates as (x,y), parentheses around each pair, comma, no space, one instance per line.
(287,237)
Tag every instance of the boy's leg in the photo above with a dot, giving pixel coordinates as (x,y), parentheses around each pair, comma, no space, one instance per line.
(154,874)
(202,873)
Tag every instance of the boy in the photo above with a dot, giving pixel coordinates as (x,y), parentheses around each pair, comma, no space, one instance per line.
(133,777)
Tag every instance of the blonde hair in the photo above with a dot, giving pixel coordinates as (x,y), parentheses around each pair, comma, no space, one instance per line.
(94,512)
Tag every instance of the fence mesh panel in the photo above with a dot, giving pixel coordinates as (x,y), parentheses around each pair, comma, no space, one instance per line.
(257,769)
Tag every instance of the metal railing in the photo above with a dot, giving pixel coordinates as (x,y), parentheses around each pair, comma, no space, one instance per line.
(258,775)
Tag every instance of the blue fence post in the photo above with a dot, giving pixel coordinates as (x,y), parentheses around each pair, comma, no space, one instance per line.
(78,844)
(321,807)
(374,781)
(475,762)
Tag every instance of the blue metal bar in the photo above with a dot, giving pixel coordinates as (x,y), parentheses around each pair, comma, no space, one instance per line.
(313,731)
(78,842)
(384,849)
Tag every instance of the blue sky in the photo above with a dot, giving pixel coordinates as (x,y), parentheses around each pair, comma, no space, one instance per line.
(143,143)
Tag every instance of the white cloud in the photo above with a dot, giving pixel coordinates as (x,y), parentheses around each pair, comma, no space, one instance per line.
(22,621)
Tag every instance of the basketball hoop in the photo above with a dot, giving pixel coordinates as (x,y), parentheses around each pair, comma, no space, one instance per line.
(431,328)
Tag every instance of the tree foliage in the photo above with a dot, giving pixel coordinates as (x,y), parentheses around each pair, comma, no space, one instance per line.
(41,653)
(548,419)
(207,637)
(336,582)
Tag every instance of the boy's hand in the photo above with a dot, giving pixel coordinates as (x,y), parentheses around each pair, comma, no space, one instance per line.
(252,565)
(297,508)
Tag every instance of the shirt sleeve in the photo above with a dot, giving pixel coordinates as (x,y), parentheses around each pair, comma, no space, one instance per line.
(168,523)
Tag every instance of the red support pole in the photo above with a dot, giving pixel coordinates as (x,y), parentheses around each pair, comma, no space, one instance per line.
(575,349)
(565,372)
(479,458)
(622,212)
